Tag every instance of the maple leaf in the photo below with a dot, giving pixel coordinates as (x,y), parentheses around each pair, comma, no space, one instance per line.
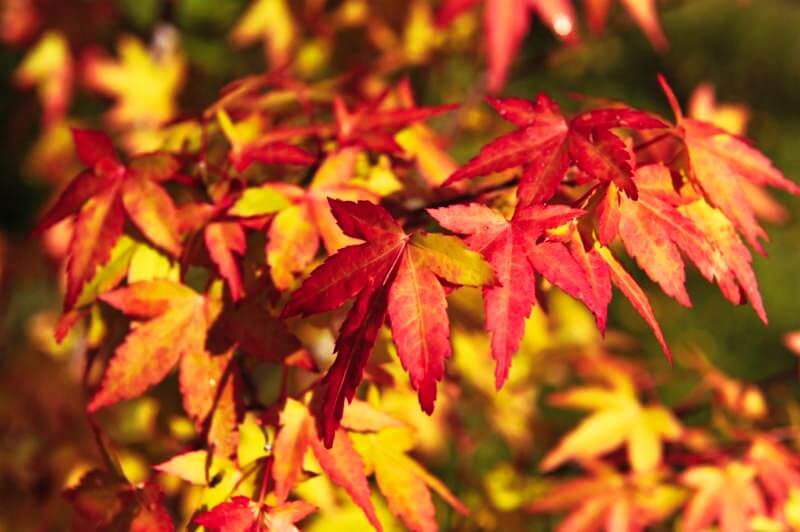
(733,118)
(516,254)
(608,501)
(241,514)
(225,236)
(175,326)
(100,196)
(405,484)
(224,241)
(545,145)
(295,232)
(173,333)
(382,124)
(211,391)
(372,125)
(661,224)
(727,495)
(633,292)
(340,462)
(392,273)
(719,165)
(144,85)
(618,418)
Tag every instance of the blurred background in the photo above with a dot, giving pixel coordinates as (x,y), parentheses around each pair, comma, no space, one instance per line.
(131,66)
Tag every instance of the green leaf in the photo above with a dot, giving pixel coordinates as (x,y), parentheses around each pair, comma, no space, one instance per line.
(259,201)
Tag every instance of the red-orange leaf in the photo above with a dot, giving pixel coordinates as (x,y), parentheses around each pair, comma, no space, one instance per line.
(731,259)
(598,279)
(545,145)
(273,153)
(289,448)
(235,515)
(224,241)
(100,196)
(605,158)
(721,165)
(345,467)
(370,272)
(153,348)
(85,185)
(341,463)
(97,228)
(634,293)
(727,495)
(515,253)
(153,212)
(418,313)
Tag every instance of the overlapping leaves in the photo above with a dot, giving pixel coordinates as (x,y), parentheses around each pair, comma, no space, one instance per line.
(589,187)
(396,274)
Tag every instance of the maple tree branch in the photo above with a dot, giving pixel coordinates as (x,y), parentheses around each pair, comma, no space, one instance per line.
(416,216)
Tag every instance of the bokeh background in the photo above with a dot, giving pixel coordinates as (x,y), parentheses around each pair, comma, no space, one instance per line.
(749,52)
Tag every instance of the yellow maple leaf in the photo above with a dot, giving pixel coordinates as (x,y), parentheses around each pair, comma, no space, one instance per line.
(405,484)
(272,22)
(617,419)
(144,83)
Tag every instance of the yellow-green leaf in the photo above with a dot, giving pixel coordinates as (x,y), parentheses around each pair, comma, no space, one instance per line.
(259,201)
(450,259)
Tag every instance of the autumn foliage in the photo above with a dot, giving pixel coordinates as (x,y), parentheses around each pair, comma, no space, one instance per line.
(309,260)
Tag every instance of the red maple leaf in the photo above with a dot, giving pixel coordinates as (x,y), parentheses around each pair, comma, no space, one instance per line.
(719,164)
(518,249)
(391,273)
(661,225)
(101,195)
(546,144)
